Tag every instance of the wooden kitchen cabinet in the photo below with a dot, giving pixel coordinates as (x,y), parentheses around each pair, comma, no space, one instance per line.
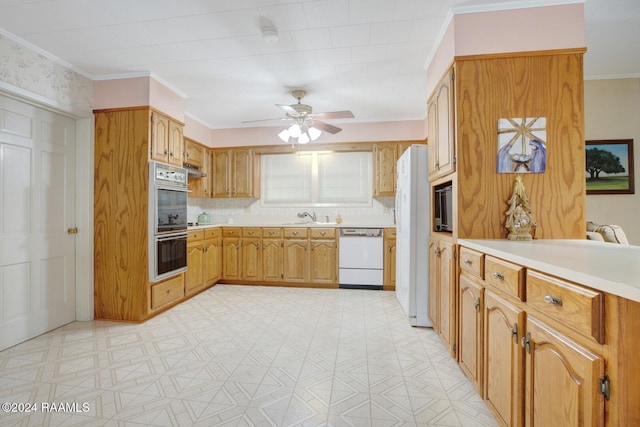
(385,160)
(166,139)
(231,253)
(200,187)
(166,292)
(389,259)
(235,173)
(194,153)
(440,119)
(562,380)
(194,278)
(442,291)
(324,256)
(251,254)
(296,256)
(471,309)
(272,254)
(212,255)
(503,359)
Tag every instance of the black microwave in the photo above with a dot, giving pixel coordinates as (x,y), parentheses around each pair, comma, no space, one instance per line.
(442,208)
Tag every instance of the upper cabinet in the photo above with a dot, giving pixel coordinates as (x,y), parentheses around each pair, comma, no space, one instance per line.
(235,173)
(385,159)
(194,153)
(440,120)
(166,139)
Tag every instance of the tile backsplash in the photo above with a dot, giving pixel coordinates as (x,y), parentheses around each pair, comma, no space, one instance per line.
(244,211)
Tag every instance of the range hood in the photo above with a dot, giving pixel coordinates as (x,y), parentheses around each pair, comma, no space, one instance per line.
(194,171)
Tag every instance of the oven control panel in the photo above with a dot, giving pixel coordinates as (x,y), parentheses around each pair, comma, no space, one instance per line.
(170,175)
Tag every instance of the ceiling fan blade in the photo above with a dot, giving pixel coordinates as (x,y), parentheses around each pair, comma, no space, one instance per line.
(265,120)
(335,115)
(325,127)
(288,109)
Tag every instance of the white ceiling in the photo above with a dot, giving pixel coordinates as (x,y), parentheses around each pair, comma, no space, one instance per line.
(367,56)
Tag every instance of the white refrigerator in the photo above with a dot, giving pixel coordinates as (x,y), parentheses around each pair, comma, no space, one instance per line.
(412,235)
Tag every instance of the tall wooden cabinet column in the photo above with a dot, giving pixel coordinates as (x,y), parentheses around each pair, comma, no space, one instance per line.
(123,148)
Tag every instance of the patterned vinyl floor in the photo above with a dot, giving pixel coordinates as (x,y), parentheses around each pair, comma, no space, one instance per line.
(244,356)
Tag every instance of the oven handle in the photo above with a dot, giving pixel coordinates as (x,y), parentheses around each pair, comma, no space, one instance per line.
(171,236)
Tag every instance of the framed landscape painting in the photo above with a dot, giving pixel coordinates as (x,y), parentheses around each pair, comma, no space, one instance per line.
(609,166)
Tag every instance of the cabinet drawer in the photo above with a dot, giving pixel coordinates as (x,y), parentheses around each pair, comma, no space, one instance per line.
(472,262)
(168,291)
(505,276)
(272,232)
(323,233)
(295,233)
(390,233)
(572,305)
(231,232)
(212,233)
(194,235)
(251,232)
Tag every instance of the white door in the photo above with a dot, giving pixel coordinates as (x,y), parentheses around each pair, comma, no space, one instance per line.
(37,207)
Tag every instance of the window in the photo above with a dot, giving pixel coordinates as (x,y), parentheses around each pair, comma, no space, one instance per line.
(317,179)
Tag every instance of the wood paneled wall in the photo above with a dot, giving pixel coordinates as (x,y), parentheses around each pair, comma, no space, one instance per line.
(544,84)
(120,214)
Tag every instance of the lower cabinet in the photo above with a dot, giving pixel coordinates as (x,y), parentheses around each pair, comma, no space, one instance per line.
(166,292)
(251,254)
(323,257)
(203,259)
(296,259)
(389,259)
(534,347)
(442,291)
(231,253)
(272,254)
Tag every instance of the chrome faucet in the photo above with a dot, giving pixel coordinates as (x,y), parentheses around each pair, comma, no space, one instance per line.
(310,215)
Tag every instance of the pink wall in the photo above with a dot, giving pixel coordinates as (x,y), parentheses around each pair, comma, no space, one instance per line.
(137,92)
(351,132)
(197,131)
(504,31)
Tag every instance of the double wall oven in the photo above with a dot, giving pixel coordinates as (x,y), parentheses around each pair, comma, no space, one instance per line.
(167,221)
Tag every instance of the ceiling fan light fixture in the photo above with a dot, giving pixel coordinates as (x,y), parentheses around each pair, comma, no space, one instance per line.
(294,130)
(303,138)
(284,135)
(314,133)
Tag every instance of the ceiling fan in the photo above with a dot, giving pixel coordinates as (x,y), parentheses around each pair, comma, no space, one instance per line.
(305,124)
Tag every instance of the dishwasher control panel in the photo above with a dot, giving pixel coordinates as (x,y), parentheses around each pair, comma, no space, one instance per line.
(361,232)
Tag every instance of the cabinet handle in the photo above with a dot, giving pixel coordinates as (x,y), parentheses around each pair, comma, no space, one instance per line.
(498,276)
(477,304)
(390,248)
(468,261)
(295,233)
(230,231)
(552,300)
(514,333)
(526,342)
(322,233)
(250,233)
(271,233)
(166,152)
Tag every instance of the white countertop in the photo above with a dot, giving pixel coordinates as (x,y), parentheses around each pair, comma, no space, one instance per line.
(306,224)
(608,267)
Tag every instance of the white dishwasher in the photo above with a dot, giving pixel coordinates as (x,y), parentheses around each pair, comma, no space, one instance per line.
(360,262)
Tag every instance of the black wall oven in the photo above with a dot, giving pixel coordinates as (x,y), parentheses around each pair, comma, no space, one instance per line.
(167,221)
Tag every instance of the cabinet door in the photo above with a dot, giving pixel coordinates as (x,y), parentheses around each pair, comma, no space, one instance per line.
(389,264)
(272,260)
(447,296)
(433,284)
(432,141)
(221,174)
(176,143)
(385,158)
(242,173)
(470,348)
(296,261)
(193,153)
(503,359)
(562,380)
(445,125)
(212,260)
(159,138)
(231,258)
(251,259)
(323,262)
(195,258)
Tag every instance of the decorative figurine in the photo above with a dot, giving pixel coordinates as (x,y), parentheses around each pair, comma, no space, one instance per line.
(519,220)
